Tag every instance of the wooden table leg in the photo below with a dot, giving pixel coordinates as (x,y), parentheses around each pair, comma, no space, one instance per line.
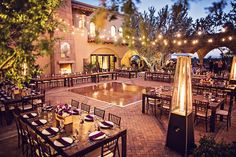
(212,120)
(124,144)
(143,103)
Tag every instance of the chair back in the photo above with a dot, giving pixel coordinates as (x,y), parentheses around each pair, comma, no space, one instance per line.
(74,103)
(201,107)
(99,112)
(85,107)
(115,119)
(231,102)
(111,147)
(44,149)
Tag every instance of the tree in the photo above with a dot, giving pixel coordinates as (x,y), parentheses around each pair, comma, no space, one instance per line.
(26,28)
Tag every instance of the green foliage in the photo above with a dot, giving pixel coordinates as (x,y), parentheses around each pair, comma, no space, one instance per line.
(26,28)
(210,148)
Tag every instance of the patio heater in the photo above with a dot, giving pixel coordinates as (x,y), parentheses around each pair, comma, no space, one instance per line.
(180,133)
(232,77)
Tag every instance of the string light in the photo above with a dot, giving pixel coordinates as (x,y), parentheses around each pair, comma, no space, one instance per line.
(210,41)
(174,41)
(199,32)
(178,35)
(179,43)
(230,38)
(160,36)
(223,30)
(185,41)
(223,39)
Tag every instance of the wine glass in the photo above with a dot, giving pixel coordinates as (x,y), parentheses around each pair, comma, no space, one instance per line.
(62,125)
(39,110)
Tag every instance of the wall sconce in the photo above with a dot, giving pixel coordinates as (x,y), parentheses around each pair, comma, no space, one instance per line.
(180,134)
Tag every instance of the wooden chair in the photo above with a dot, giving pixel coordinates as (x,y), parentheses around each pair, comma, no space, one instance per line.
(26,104)
(44,150)
(34,145)
(85,107)
(74,103)
(115,119)
(25,140)
(99,112)
(152,104)
(165,105)
(17,121)
(202,112)
(111,148)
(226,114)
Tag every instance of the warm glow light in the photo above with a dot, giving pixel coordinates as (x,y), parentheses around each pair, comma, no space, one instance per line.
(160,36)
(182,94)
(223,39)
(178,35)
(230,38)
(174,41)
(210,40)
(233,69)
(199,33)
(185,41)
(179,43)
(153,43)
(223,30)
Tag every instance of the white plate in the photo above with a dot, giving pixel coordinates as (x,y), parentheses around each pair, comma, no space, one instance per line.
(105,126)
(86,118)
(67,139)
(41,120)
(98,138)
(45,132)
(26,116)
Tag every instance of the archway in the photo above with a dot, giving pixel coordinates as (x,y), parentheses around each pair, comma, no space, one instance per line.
(104,59)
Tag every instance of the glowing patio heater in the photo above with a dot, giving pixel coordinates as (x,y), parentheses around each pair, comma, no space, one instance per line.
(180,133)
(233,71)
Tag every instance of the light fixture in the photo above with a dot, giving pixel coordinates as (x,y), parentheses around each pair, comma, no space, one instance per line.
(209,40)
(178,35)
(230,38)
(223,39)
(180,133)
(199,32)
(233,71)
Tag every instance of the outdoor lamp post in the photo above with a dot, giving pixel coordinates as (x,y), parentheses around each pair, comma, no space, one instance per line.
(232,77)
(180,133)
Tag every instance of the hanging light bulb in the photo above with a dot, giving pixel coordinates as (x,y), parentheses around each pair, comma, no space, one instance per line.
(223,39)
(160,36)
(178,35)
(230,38)
(210,41)
(199,32)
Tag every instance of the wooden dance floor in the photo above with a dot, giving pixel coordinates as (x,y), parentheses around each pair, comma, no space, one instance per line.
(119,94)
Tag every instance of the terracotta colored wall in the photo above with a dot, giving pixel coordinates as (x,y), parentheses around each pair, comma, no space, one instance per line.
(79,47)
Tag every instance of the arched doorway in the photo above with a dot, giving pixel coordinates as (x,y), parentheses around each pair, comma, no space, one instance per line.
(104,59)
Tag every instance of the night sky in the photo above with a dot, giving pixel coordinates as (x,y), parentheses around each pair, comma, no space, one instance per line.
(196,7)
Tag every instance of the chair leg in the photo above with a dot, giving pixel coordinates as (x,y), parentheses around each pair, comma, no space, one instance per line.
(206,124)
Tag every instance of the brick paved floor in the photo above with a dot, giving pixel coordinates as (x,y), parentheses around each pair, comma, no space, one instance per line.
(146,133)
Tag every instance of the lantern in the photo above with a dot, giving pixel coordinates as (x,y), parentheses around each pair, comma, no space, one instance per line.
(233,70)
(180,134)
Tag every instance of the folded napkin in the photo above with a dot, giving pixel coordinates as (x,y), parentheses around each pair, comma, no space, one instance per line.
(96,136)
(30,115)
(38,122)
(63,142)
(89,118)
(51,131)
(75,112)
(47,108)
(107,124)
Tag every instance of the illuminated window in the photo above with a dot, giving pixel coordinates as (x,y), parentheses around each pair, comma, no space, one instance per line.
(113,31)
(121,31)
(92,29)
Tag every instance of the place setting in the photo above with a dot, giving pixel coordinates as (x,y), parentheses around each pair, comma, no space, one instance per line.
(50,131)
(89,118)
(106,124)
(96,136)
(39,122)
(30,115)
(63,142)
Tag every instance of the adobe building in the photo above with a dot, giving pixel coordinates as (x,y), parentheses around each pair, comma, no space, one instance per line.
(76,46)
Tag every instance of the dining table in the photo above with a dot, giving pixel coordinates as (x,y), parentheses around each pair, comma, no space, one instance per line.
(14,102)
(78,130)
(167,95)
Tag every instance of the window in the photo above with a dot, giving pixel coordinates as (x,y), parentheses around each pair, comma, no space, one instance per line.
(113,31)
(121,31)
(92,29)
